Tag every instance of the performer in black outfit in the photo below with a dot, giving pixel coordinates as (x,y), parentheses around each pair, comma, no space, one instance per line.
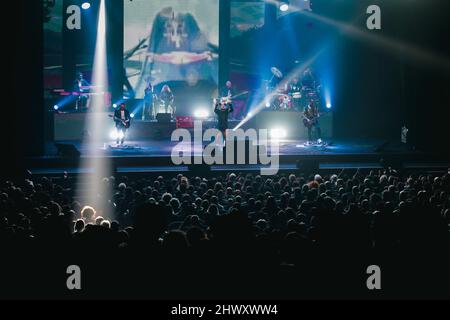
(311,120)
(294,86)
(148,111)
(295,92)
(122,118)
(223,109)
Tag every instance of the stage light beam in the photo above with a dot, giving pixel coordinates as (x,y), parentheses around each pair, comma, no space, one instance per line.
(97,124)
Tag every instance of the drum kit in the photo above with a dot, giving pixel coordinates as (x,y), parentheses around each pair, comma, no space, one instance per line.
(293,99)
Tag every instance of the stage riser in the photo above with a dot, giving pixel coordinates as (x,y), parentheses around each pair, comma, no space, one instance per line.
(72,127)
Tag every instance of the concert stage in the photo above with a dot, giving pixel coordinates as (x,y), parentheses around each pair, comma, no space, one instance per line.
(149,147)
(154,156)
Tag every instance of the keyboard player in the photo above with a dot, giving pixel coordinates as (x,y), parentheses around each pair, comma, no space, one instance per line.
(81,90)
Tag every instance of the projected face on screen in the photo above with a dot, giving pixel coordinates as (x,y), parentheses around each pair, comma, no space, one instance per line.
(246,17)
(170,41)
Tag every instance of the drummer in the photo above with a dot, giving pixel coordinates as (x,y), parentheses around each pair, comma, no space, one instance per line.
(295,86)
(295,91)
(308,80)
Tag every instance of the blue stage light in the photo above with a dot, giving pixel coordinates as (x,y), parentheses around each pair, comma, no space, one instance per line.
(86,5)
(284,6)
(329,105)
(56,107)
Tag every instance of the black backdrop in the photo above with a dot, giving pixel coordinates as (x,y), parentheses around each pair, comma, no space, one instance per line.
(378,89)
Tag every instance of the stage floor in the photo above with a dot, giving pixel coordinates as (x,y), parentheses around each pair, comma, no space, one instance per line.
(158,148)
(154,156)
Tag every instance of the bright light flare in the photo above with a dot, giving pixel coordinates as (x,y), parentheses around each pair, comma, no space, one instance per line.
(284,7)
(116,135)
(201,114)
(278,133)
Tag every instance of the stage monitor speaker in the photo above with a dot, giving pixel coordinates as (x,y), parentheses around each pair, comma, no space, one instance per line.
(308,166)
(201,169)
(164,117)
(67,151)
(382,147)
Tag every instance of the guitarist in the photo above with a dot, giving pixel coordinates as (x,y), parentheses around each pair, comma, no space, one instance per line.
(122,118)
(311,120)
(228,91)
(223,108)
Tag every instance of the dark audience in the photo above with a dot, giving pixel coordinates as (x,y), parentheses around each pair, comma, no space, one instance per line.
(230,236)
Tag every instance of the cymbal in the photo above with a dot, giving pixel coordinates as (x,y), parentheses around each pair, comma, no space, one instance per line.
(276,72)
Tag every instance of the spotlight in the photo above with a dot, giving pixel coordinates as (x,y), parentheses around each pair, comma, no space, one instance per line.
(114,135)
(268,104)
(86,5)
(278,133)
(115,105)
(56,107)
(329,105)
(284,6)
(132,115)
(201,114)
(249,115)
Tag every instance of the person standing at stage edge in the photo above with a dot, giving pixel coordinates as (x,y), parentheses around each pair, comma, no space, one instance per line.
(122,118)
(223,110)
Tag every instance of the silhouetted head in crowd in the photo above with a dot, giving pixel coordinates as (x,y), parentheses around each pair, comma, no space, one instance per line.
(88,214)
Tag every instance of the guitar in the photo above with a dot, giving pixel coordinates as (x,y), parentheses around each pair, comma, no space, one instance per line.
(311,122)
(229,99)
(125,123)
(239,95)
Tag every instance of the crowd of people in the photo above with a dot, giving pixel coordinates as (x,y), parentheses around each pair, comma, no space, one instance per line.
(229,236)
